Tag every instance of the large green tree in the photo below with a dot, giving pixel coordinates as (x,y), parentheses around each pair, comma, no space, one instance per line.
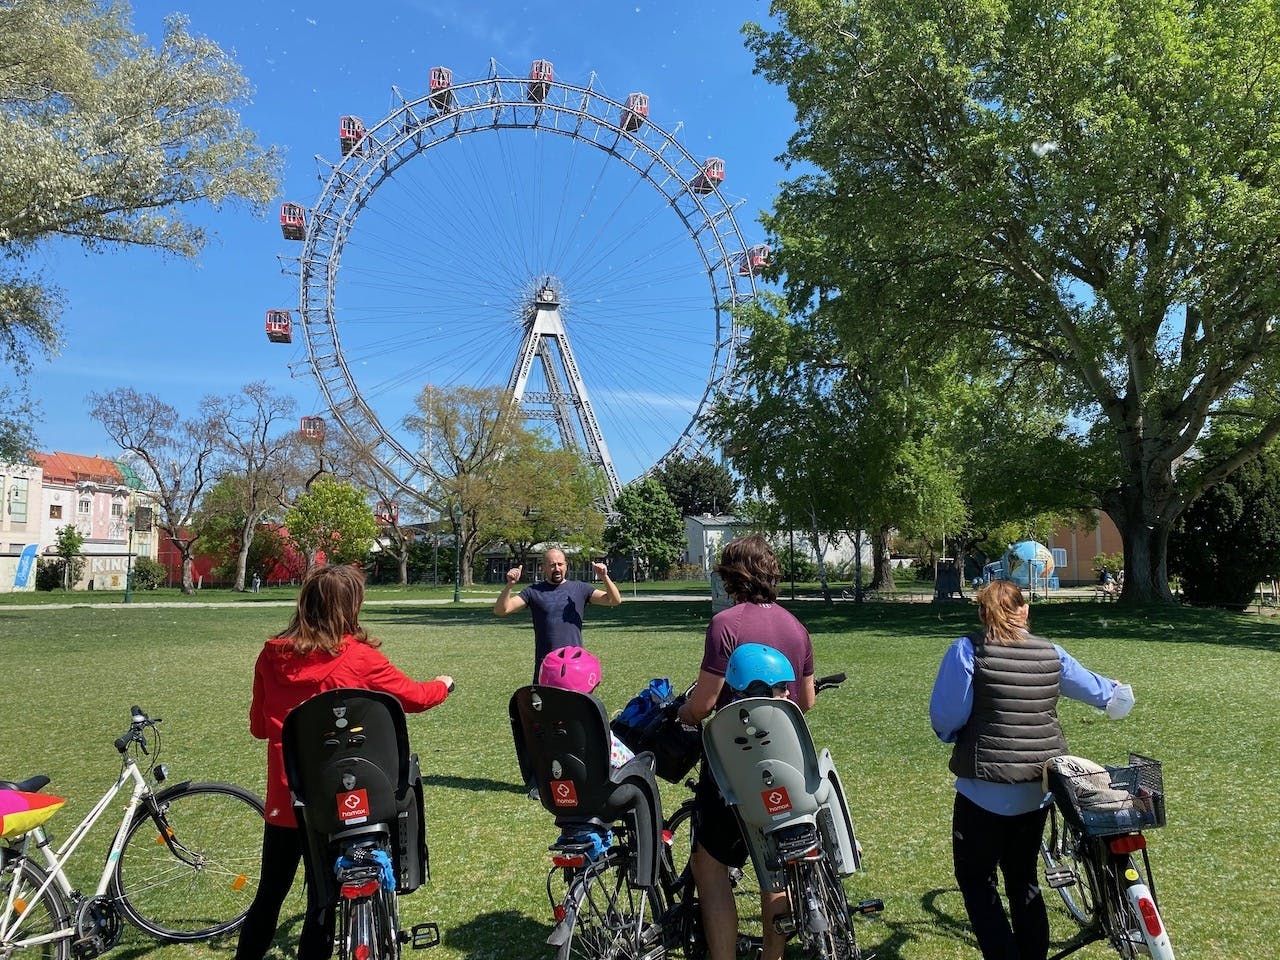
(544,494)
(646,527)
(697,484)
(107,140)
(467,433)
(1086,193)
(332,517)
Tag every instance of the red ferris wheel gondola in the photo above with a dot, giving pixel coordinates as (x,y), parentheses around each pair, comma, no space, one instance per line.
(754,260)
(293,221)
(709,177)
(441,85)
(311,429)
(350,134)
(540,76)
(280,326)
(635,112)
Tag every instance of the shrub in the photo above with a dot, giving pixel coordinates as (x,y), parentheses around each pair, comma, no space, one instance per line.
(148,574)
(49,573)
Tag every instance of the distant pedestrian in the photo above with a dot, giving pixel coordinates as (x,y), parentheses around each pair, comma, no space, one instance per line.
(257,583)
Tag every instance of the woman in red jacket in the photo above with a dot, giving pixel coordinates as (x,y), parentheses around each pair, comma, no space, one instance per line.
(323,648)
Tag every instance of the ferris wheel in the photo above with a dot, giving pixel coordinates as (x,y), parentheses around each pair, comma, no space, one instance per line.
(547,238)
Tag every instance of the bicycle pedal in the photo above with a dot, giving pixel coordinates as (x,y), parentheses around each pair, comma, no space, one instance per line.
(424,935)
(866,907)
(1059,877)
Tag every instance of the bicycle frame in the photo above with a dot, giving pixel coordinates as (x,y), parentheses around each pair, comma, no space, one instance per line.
(56,860)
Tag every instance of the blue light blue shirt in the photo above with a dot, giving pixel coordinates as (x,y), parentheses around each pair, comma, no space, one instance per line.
(952,702)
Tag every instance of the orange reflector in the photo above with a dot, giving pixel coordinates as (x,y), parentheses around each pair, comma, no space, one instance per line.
(1150,916)
(20,905)
(575,861)
(1128,843)
(362,951)
(160,839)
(239,882)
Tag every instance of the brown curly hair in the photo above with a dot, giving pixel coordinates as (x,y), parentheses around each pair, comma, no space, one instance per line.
(328,610)
(749,570)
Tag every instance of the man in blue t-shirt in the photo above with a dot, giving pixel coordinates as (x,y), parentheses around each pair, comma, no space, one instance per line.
(555,603)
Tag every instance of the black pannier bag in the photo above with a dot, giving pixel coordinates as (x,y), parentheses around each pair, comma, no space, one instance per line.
(648,722)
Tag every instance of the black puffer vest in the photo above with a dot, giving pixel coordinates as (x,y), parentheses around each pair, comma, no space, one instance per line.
(1013,728)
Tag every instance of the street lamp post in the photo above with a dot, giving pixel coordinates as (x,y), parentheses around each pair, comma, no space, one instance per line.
(457,554)
(128,564)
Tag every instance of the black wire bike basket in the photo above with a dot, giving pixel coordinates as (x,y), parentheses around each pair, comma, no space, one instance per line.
(1120,799)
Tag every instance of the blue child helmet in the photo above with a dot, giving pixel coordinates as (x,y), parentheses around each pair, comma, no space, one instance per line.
(754,662)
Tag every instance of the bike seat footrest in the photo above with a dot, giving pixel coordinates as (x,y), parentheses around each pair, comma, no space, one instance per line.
(875,905)
(1059,877)
(424,935)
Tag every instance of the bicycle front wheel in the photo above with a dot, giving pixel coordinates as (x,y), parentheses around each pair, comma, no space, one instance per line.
(189,867)
(44,915)
(605,912)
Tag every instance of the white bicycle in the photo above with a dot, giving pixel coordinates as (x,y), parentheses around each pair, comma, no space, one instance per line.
(183,865)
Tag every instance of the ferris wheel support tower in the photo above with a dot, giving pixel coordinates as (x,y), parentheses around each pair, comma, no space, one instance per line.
(543,330)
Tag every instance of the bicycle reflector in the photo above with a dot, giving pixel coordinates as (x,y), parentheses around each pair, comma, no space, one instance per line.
(354,891)
(573,860)
(1150,916)
(1129,843)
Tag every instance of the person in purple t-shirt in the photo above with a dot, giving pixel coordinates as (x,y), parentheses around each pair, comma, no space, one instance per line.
(556,603)
(750,573)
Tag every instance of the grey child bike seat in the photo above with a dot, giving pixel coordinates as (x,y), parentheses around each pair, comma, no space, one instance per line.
(762,756)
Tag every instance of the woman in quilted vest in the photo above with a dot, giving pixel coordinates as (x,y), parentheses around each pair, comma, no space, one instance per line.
(995,699)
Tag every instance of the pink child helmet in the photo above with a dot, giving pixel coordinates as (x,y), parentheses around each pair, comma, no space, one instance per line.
(570,668)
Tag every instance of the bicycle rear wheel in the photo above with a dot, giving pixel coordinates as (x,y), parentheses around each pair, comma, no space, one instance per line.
(44,915)
(842,943)
(368,929)
(189,868)
(605,913)
(1067,869)
(1135,927)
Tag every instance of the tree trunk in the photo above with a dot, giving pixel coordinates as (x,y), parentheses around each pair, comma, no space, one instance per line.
(188,581)
(1145,520)
(820,552)
(882,569)
(404,568)
(242,555)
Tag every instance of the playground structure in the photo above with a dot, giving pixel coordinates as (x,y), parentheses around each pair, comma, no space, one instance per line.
(1029,564)
(445,273)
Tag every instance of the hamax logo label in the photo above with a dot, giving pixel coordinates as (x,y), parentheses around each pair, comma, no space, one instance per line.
(564,793)
(353,807)
(776,800)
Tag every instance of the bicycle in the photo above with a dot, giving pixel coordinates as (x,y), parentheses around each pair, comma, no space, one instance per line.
(789,800)
(183,865)
(1089,857)
(616,886)
(359,796)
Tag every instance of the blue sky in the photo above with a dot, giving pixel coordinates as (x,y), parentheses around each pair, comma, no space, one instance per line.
(185,330)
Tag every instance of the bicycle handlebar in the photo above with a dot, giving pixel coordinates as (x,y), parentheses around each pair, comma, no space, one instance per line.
(138,721)
(829,682)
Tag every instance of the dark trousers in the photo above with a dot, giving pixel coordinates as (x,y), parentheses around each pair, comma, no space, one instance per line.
(282,848)
(981,842)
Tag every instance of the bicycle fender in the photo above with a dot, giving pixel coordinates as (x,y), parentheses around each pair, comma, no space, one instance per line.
(1150,923)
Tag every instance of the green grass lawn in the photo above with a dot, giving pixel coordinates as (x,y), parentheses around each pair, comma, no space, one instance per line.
(1207,706)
